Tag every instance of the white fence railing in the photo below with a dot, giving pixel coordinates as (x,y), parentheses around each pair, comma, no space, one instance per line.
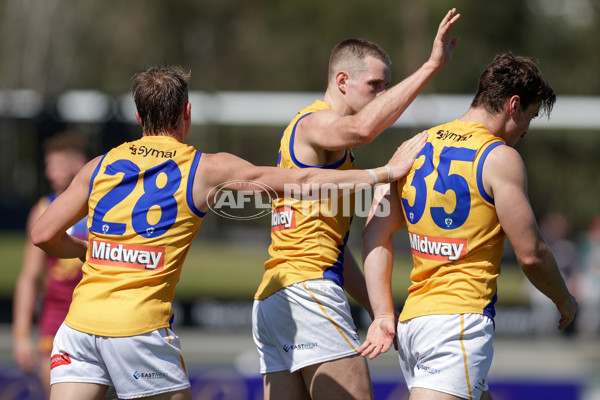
(277,108)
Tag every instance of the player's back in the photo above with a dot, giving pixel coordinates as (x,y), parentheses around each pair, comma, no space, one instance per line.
(142,220)
(454,233)
(307,236)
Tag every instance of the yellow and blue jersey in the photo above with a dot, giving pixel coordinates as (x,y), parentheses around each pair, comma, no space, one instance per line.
(142,221)
(308,236)
(455,236)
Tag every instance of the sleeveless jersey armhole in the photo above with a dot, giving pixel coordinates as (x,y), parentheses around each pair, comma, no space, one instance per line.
(480,186)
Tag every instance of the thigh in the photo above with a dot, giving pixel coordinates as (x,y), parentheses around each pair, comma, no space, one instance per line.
(185,394)
(78,391)
(418,393)
(285,385)
(451,354)
(303,324)
(344,378)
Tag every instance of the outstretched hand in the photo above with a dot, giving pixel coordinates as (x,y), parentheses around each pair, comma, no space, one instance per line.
(380,337)
(403,159)
(443,46)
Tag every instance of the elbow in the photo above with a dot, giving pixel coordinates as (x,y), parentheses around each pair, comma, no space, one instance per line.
(366,233)
(365,135)
(373,237)
(531,264)
(39,236)
(363,131)
(534,259)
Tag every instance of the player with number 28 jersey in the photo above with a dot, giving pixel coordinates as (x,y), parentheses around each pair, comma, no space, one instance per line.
(127,241)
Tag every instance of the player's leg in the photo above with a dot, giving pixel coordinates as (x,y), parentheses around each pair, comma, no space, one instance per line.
(486,395)
(45,340)
(77,391)
(428,394)
(344,378)
(285,385)
(185,394)
(44,365)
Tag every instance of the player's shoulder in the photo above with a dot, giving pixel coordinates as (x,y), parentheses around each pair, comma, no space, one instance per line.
(503,154)
(215,165)
(215,160)
(318,117)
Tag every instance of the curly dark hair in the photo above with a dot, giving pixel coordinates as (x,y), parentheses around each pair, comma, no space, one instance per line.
(508,75)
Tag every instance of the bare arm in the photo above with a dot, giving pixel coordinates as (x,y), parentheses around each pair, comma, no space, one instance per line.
(216,169)
(327,130)
(504,174)
(50,231)
(354,281)
(26,292)
(384,220)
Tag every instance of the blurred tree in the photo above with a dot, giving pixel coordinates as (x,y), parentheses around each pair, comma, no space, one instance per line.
(279,45)
(53,45)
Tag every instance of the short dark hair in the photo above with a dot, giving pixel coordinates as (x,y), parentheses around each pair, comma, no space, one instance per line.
(508,75)
(351,51)
(160,93)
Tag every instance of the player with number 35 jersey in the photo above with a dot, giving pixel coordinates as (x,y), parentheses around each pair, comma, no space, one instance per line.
(451,162)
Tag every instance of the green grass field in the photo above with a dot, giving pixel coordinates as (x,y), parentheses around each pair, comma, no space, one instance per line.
(222,270)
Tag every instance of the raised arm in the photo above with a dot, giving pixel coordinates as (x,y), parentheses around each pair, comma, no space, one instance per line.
(327,130)
(384,220)
(50,231)
(504,174)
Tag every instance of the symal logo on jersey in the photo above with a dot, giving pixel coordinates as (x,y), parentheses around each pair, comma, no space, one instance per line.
(127,255)
(437,248)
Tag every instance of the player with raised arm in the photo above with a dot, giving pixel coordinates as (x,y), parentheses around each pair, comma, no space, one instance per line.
(310,265)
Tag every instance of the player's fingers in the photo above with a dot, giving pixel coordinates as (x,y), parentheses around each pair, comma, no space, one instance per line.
(375,352)
(416,143)
(446,25)
(564,322)
(386,347)
(363,347)
(447,18)
(454,19)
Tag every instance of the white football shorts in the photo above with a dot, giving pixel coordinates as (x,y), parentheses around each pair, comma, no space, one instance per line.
(447,353)
(136,366)
(303,324)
